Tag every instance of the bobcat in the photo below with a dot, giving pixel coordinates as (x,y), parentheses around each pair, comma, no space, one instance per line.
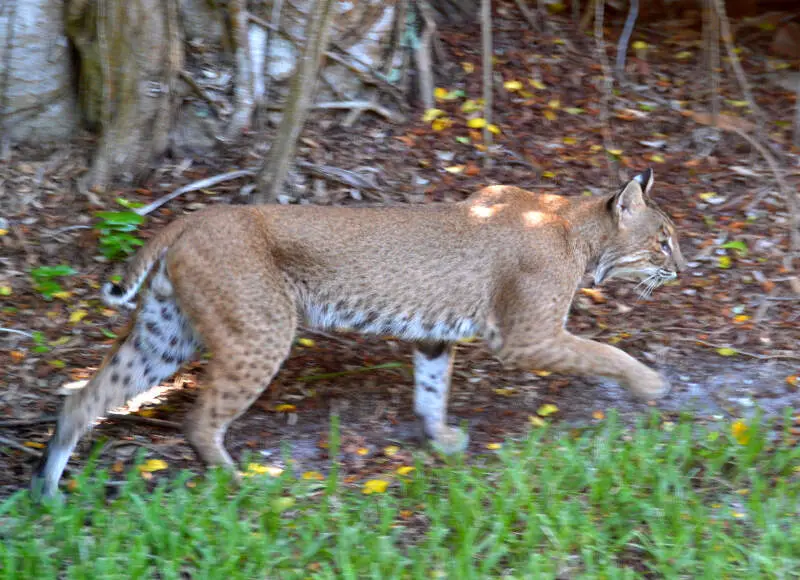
(503,265)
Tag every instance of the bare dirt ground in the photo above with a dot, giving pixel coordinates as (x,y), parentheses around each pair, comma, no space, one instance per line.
(727,334)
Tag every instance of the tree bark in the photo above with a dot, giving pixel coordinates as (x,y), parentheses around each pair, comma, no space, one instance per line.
(273,174)
(130,55)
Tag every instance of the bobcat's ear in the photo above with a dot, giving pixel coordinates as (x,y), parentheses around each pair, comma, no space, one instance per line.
(645,179)
(627,203)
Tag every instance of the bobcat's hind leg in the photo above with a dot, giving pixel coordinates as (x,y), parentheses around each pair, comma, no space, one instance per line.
(433,364)
(159,341)
(249,340)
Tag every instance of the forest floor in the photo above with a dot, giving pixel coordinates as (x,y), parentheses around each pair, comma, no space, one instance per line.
(727,333)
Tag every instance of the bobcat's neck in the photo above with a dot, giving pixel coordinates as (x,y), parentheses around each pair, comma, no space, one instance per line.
(590,229)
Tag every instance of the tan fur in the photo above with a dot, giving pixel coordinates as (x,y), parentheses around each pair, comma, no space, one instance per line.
(503,265)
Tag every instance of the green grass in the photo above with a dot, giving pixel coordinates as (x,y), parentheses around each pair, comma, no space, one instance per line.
(607,502)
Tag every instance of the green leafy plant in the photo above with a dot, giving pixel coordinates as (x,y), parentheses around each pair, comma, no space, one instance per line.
(118,231)
(44,279)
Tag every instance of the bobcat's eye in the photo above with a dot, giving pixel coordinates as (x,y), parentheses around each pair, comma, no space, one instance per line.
(665,247)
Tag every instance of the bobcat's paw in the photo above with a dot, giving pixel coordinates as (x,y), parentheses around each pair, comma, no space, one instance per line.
(651,387)
(449,441)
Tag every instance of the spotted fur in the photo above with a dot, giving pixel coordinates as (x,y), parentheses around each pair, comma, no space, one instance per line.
(502,265)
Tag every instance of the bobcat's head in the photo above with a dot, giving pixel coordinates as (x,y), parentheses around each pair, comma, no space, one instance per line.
(644,244)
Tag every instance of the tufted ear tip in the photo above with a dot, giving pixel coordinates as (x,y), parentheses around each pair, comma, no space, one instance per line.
(645,179)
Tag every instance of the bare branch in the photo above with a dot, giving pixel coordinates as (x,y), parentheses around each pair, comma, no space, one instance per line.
(194,186)
(625,37)
(488,92)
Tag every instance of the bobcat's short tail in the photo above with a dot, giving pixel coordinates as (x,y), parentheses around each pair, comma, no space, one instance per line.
(124,293)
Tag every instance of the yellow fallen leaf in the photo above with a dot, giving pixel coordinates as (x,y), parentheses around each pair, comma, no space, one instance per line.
(468,67)
(455,169)
(391,450)
(375,486)
(258,469)
(305,342)
(536,421)
(706,195)
(442,124)
(554,103)
(285,408)
(542,373)
(316,475)
(505,392)
(494,446)
(742,318)
(3,232)
(494,129)
(599,415)
(570,140)
(615,152)
(440,94)
(537,84)
(792,380)
(362,451)
(477,123)
(737,515)
(726,351)
(6,291)
(740,432)
(743,491)
(512,86)
(640,45)
(550,115)
(146,412)
(431,114)
(77,315)
(405,469)
(470,106)
(656,158)
(546,410)
(683,55)
(34,444)
(152,465)
(62,295)
(595,148)
(724,262)
(548,174)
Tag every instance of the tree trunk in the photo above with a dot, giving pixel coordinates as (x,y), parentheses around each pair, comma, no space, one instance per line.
(273,174)
(37,103)
(130,55)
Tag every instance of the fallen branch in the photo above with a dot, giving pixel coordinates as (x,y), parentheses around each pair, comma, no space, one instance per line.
(19,447)
(201,184)
(371,106)
(15,331)
(344,176)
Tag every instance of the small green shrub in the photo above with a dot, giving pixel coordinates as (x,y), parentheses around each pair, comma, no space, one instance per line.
(118,231)
(44,279)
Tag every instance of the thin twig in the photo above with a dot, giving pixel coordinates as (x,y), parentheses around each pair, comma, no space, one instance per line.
(608,85)
(625,37)
(788,194)
(743,352)
(528,15)
(201,184)
(28,422)
(213,103)
(132,418)
(727,38)
(15,331)
(488,92)
(19,447)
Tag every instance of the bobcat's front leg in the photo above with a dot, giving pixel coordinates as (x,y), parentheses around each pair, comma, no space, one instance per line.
(433,364)
(569,354)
